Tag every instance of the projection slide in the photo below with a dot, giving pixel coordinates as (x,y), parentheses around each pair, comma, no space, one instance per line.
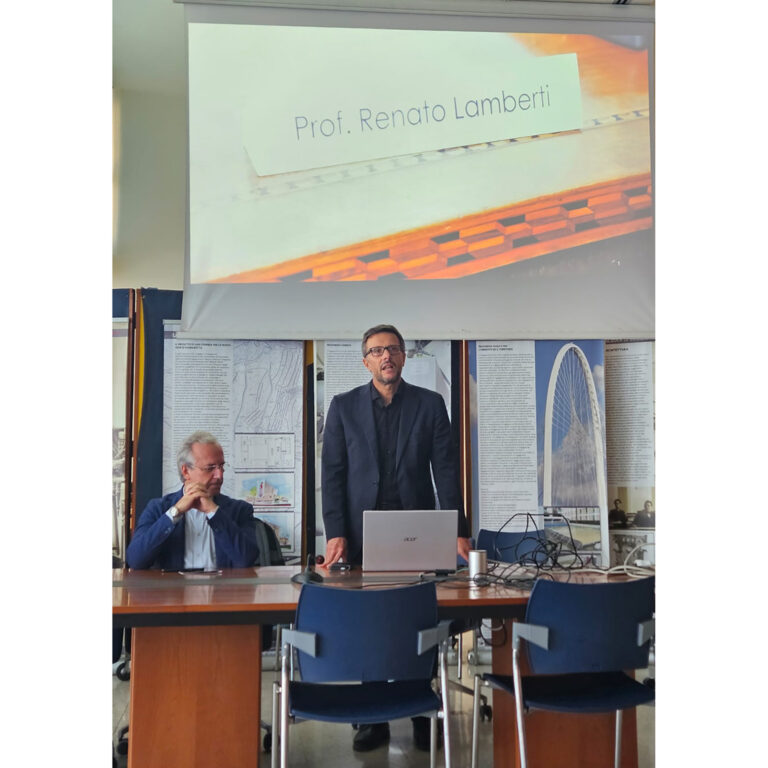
(326,154)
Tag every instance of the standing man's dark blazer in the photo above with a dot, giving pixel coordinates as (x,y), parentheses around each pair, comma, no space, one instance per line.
(350,461)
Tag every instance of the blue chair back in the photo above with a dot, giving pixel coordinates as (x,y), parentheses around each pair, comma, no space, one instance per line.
(366,635)
(513,546)
(592,627)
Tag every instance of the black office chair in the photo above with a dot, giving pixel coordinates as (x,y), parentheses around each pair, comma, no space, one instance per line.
(579,640)
(365,656)
(524,547)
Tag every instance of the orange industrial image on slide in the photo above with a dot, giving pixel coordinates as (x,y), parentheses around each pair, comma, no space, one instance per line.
(482,241)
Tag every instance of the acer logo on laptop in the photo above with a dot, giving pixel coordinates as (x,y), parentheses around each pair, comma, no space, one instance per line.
(410,538)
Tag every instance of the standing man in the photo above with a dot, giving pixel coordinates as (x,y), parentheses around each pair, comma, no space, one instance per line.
(379,442)
(196,526)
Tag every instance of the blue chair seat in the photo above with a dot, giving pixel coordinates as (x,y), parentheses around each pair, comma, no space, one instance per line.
(588,693)
(573,652)
(373,702)
(364,656)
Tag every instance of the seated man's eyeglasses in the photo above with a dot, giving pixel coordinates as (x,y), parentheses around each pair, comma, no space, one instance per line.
(393,349)
(209,468)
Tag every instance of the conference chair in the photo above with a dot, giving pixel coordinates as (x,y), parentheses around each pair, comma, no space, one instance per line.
(270,553)
(364,656)
(573,652)
(526,547)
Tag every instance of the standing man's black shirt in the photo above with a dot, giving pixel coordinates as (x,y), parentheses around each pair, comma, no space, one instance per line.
(387,420)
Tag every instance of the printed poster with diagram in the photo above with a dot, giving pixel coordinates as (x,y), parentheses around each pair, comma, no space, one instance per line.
(630,436)
(249,394)
(538,441)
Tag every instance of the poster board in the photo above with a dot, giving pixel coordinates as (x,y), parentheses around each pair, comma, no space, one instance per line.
(249,394)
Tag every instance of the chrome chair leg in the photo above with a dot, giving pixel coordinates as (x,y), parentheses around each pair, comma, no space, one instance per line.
(459,654)
(275,757)
(519,707)
(284,706)
(433,742)
(446,705)
(475,721)
(617,747)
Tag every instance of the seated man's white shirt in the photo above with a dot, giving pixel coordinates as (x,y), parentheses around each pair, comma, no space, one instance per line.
(199,544)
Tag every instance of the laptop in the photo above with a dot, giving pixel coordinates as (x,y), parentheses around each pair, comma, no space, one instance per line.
(410,540)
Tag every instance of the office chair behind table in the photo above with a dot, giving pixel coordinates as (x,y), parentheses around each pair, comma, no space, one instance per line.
(579,640)
(525,547)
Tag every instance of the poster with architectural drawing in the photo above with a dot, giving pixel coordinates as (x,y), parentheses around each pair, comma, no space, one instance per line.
(250,395)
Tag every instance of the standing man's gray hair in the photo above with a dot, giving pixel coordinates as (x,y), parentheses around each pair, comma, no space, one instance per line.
(184,456)
(382,329)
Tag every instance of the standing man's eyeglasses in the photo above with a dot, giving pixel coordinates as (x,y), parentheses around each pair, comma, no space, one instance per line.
(393,349)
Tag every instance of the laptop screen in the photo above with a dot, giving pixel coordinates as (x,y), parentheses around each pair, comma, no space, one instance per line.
(410,540)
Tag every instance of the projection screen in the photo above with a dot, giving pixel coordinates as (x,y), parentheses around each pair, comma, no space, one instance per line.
(463,176)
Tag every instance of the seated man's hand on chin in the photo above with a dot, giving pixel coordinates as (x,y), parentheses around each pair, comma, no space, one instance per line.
(195,495)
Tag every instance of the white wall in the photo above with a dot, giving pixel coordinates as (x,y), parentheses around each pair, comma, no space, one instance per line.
(150,190)
(150,143)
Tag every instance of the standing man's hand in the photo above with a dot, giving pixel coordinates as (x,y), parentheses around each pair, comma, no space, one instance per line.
(463,547)
(335,550)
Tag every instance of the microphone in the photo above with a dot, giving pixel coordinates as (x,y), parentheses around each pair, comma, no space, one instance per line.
(308,574)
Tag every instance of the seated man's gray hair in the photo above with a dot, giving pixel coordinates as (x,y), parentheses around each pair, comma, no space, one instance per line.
(184,456)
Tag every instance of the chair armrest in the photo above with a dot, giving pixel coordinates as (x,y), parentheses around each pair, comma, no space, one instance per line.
(429,638)
(304,641)
(646,630)
(532,633)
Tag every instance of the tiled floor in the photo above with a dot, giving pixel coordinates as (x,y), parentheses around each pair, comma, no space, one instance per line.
(322,744)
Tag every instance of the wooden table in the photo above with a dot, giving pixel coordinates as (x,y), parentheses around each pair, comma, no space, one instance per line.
(196,667)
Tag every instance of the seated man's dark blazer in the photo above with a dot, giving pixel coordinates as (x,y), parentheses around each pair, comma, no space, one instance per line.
(158,542)
(350,461)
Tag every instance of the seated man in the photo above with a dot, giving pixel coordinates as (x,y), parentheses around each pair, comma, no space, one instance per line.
(196,526)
